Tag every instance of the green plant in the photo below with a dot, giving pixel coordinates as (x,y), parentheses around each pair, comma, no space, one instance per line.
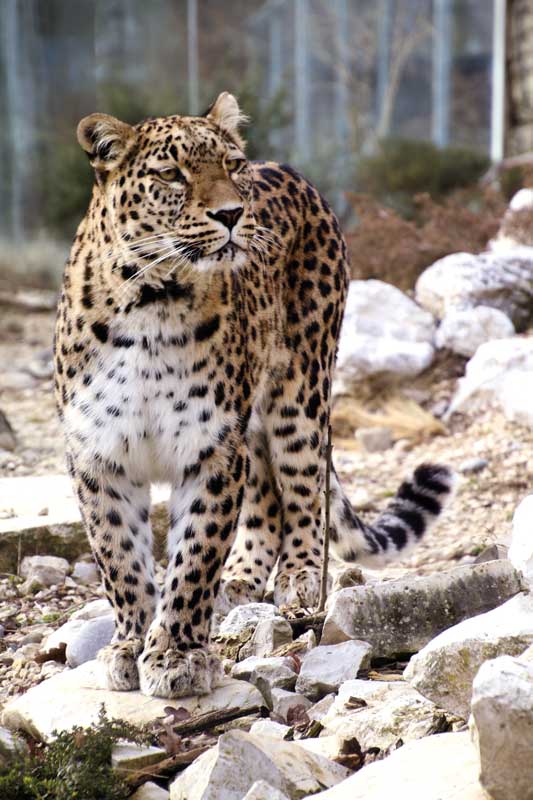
(76,765)
(402,168)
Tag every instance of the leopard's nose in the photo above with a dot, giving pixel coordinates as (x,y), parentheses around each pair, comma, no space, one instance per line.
(227,216)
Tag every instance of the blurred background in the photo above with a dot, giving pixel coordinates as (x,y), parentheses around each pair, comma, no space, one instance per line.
(399,100)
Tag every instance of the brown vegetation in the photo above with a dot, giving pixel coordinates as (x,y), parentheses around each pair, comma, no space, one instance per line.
(385,246)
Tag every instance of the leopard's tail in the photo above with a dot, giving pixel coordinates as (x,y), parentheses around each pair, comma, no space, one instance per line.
(416,505)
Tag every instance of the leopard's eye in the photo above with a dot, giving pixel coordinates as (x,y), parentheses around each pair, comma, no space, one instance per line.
(171,175)
(234,164)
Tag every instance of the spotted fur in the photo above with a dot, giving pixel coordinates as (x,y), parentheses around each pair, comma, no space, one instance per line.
(195,343)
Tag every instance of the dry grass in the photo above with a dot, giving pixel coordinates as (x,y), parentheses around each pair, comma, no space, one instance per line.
(405,418)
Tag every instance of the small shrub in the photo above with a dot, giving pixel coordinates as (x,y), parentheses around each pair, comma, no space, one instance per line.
(386,246)
(403,168)
(76,764)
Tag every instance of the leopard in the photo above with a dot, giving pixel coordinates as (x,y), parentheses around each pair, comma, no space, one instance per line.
(196,336)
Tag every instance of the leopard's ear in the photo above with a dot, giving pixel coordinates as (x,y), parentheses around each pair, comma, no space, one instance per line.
(225,113)
(106,140)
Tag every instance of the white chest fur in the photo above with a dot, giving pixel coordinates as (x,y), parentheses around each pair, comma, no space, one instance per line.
(147,405)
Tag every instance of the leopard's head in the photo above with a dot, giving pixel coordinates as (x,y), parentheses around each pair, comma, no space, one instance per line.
(177,190)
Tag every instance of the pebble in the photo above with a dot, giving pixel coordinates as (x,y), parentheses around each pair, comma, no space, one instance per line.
(473,465)
(374,440)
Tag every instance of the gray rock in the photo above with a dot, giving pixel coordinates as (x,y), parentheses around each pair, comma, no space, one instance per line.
(93,609)
(381,713)
(88,640)
(283,701)
(443,671)
(319,710)
(240,759)
(473,465)
(85,572)
(245,617)
(46,570)
(463,281)
(325,668)
(402,616)
(492,553)
(502,714)
(266,673)
(261,790)
(270,633)
(374,440)
(464,330)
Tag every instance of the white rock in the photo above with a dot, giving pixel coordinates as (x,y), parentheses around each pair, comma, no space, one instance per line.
(61,636)
(85,572)
(282,701)
(85,643)
(522,200)
(75,698)
(231,768)
(383,331)
(247,616)
(499,374)
(150,791)
(319,710)
(127,756)
(441,767)
(403,615)
(93,609)
(269,727)
(502,715)
(270,633)
(326,667)
(261,790)
(380,713)
(47,570)
(266,673)
(443,671)
(374,440)
(521,549)
(501,280)
(464,330)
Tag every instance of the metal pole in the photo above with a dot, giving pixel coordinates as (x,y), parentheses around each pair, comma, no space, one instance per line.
(497,122)
(301,69)
(442,63)
(342,99)
(192,56)
(384,46)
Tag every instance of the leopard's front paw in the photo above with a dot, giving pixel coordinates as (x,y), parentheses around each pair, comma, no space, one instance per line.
(235,592)
(171,673)
(119,660)
(297,587)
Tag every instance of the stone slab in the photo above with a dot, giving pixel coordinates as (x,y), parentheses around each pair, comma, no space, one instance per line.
(75,697)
